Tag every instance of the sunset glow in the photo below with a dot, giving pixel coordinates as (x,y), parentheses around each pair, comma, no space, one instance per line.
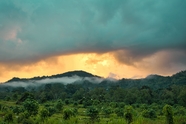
(103,65)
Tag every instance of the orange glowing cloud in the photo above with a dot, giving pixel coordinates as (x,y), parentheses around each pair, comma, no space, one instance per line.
(104,65)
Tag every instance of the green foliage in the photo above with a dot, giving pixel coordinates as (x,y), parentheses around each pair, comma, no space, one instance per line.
(7,98)
(182,98)
(113,104)
(107,111)
(67,101)
(68,113)
(180,111)
(119,112)
(17,109)
(21,117)
(8,117)
(51,110)
(75,103)
(31,106)
(167,110)
(149,114)
(128,114)
(59,105)
(44,114)
(147,96)
(0,106)
(93,113)
(87,103)
(28,121)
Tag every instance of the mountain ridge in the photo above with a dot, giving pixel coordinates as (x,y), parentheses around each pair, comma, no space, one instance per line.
(82,73)
(90,81)
(79,73)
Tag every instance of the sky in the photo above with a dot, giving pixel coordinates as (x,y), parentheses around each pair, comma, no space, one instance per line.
(109,38)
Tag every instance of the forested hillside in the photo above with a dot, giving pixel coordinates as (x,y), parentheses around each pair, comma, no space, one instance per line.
(93,98)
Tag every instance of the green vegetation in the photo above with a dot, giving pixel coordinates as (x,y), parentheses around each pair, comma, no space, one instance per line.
(167,110)
(90,103)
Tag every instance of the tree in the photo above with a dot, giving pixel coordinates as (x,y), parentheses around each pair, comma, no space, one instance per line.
(44,114)
(128,114)
(31,106)
(67,113)
(17,109)
(51,110)
(149,114)
(59,105)
(8,117)
(119,112)
(167,110)
(93,113)
(182,98)
(107,111)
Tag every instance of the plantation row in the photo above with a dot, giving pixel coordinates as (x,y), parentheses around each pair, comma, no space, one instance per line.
(30,111)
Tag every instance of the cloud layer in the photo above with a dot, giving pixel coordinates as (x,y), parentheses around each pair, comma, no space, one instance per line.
(63,80)
(132,30)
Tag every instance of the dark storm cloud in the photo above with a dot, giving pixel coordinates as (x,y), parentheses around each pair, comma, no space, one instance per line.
(31,30)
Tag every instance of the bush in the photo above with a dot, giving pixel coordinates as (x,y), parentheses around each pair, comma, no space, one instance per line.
(31,106)
(17,109)
(87,103)
(44,113)
(119,112)
(8,117)
(113,104)
(128,114)
(180,111)
(27,121)
(67,101)
(167,110)
(67,113)
(93,113)
(59,105)
(21,118)
(107,111)
(149,114)
(51,110)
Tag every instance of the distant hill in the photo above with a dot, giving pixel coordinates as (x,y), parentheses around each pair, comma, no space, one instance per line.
(79,73)
(89,80)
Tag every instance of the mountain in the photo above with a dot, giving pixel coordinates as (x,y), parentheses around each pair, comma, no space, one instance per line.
(89,80)
(79,73)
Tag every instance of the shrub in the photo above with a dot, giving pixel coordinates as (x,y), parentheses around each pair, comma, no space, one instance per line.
(167,110)
(27,121)
(93,113)
(17,109)
(149,114)
(128,114)
(31,106)
(8,117)
(107,111)
(180,111)
(51,110)
(44,113)
(67,113)
(59,105)
(119,112)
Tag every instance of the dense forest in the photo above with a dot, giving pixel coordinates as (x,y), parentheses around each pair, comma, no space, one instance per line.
(79,97)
